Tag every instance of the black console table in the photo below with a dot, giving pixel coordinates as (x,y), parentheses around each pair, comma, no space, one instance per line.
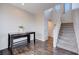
(12,37)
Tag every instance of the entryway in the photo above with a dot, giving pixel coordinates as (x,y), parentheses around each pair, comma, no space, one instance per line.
(50,36)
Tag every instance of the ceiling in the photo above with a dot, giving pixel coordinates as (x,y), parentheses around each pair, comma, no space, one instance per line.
(34,8)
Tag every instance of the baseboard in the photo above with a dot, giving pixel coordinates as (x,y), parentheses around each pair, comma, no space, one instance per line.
(41,40)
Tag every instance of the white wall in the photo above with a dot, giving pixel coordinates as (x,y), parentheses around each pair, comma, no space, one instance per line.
(10,18)
(40,26)
(75,14)
(75,5)
(46,18)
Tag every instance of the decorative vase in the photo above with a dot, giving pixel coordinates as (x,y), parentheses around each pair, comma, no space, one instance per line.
(21,29)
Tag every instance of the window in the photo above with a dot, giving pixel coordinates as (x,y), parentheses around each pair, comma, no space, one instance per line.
(67,6)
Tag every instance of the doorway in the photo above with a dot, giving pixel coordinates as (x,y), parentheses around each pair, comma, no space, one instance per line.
(50,35)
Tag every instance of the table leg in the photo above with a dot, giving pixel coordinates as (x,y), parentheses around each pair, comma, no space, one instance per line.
(11,48)
(28,38)
(34,38)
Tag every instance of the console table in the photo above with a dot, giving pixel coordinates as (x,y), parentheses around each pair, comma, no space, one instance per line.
(12,37)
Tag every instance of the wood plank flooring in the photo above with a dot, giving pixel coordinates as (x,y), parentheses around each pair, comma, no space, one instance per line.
(40,48)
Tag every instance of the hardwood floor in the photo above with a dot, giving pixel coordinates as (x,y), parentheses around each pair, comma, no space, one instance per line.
(50,44)
(40,48)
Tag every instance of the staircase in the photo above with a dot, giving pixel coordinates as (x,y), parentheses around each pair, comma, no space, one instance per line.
(67,39)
